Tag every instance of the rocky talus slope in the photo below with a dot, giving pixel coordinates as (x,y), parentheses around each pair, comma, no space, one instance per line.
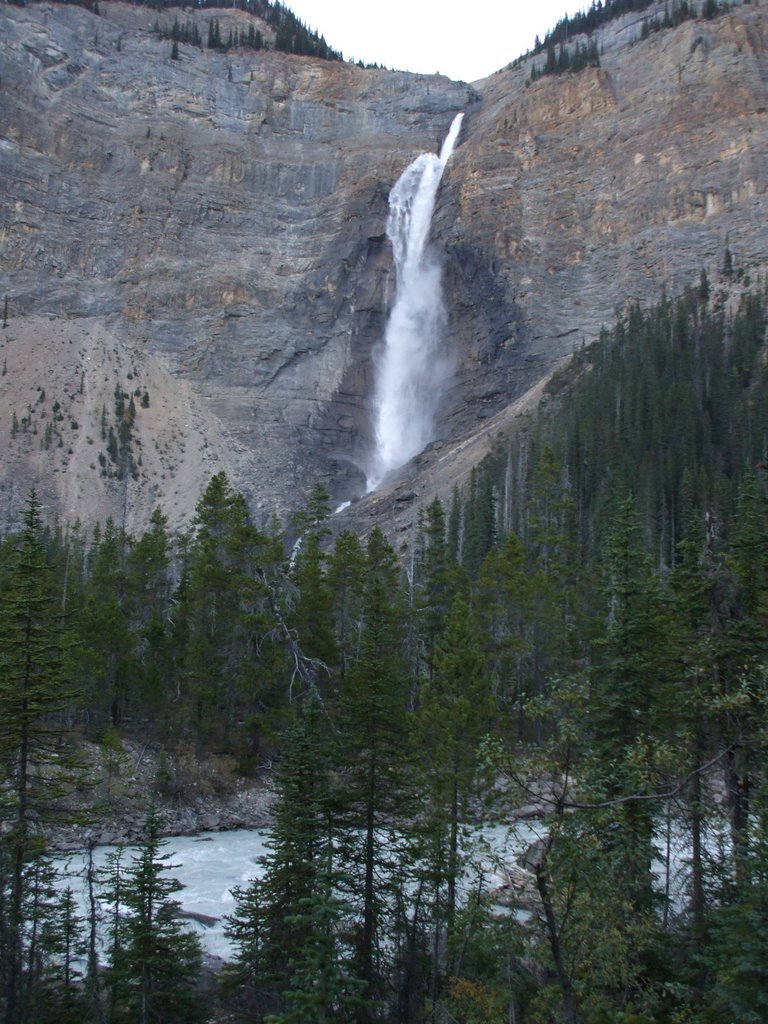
(196,265)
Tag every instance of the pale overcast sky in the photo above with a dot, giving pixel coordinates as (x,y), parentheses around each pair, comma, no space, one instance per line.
(464,40)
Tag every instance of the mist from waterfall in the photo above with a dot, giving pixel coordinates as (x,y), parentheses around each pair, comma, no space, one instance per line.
(413,370)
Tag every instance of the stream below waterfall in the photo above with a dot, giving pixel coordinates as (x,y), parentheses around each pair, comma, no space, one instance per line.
(211,864)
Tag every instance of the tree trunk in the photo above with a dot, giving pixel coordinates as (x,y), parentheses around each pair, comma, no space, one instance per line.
(369,909)
(698,898)
(570,1014)
(92,977)
(738,786)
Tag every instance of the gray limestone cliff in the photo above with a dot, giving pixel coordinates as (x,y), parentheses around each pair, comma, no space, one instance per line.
(195,258)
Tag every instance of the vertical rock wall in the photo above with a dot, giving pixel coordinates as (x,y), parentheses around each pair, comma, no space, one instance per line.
(210,230)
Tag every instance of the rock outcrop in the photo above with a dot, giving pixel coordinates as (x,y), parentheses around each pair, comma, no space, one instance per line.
(122,780)
(195,259)
(581,193)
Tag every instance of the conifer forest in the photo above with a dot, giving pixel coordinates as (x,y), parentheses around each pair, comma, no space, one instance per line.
(583,627)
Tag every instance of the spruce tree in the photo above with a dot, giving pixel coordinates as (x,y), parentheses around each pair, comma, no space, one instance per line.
(505,600)
(33,691)
(631,696)
(375,746)
(312,615)
(63,939)
(223,610)
(455,713)
(157,960)
(292,962)
(108,644)
(148,593)
(346,576)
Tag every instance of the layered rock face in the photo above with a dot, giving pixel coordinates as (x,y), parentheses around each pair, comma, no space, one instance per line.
(195,258)
(208,230)
(585,192)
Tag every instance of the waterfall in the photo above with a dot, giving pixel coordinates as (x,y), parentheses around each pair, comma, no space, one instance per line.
(413,371)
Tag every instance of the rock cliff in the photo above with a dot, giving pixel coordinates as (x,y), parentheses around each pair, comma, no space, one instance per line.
(197,271)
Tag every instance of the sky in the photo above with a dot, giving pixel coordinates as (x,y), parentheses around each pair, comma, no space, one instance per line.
(461,39)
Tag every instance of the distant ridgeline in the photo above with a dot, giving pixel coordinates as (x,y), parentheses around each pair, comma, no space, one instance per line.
(291,35)
(560,57)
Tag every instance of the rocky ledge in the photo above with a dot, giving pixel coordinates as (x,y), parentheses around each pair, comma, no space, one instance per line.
(122,779)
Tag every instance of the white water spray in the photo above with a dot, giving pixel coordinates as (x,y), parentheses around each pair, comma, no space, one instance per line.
(412,371)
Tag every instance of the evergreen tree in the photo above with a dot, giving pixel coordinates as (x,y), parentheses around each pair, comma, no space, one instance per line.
(554,609)
(346,579)
(107,884)
(454,715)
(744,648)
(479,522)
(33,691)
(224,610)
(698,585)
(63,940)
(436,579)
(107,663)
(738,954)
(157,960)
(631,690)
(505,599)
(375,747)
(148,599)
(312,615)
(292,963)
(323,987)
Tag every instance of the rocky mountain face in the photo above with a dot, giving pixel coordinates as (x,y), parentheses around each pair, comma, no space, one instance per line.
(196,267)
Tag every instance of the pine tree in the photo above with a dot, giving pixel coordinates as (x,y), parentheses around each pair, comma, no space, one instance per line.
(292,963)
(224,597)
(312,616)
(374,742)
(436,580)
(148,602)
(33,690)
(346,577)
(157,960)
(63,940)
(454,715)
(505,599)
(631,694)
(108,651)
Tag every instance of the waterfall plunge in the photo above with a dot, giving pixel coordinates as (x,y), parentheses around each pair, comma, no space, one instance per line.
(412,371)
